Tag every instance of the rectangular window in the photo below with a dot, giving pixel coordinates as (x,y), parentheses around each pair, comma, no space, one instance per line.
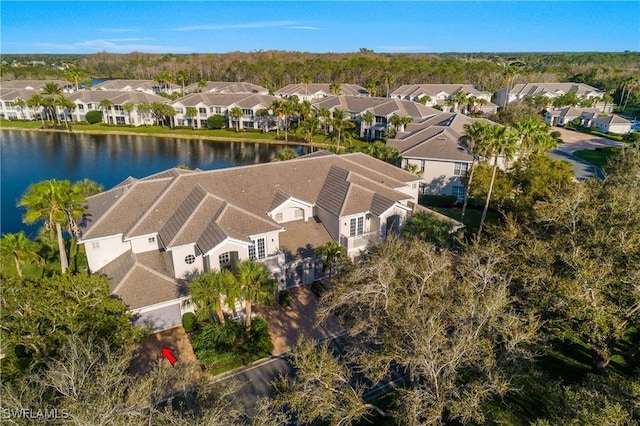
(278,217)
(247,112)
(224,259)
(80,107)
(95,245)
(298,213)
(261,249)
(458,191)
(202,110)
(356,226)
(422,165)
(258,249)
(460,169)
(218,110)
(179,111)
(152,240)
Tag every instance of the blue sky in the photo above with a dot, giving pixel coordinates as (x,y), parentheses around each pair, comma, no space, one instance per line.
(317,26)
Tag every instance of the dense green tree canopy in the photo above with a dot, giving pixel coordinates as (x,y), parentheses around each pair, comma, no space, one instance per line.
(39,315)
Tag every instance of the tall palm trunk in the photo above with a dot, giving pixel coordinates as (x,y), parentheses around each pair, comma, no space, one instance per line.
(466,192)
(486,204)
(247,322)
(64,263)
(220,314)
(16,257)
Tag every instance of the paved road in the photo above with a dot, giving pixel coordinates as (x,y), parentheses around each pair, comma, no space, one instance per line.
(255,382)
(575,141)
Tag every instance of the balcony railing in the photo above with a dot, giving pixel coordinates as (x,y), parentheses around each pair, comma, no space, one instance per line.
(358,241)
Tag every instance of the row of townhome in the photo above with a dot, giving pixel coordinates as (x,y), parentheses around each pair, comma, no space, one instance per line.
(520,91)
(149,236)
(588,117)
(433,147)
(444,96)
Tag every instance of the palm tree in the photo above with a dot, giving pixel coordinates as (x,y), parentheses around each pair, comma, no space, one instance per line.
(236,114)
(460,99)
(56,203)
(367,118)
(128,107)
(263,114)
(76,75)
(340,123)
(164,78)
(53,91)
(192,112)
(325,116)
(20,248)
(182,77)
(210,290)
(276,108)
(289,109)
(335,88)
(500,142)
(309,128)
(606,98)
(255,287)
(87,187)
(105,105)
(202,83)
(286,154)
(36,101)
(20,103)
(472,139)
(509,73)
(398,122)
(144,108)
(332,252)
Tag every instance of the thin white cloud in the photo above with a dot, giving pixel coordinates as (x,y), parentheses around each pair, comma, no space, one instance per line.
(264,24)
(304,28)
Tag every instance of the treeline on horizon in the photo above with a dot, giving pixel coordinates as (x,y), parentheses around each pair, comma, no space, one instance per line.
(378,72)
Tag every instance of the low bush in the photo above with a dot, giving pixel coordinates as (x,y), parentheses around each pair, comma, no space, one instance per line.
(216,343)
(284,298)
(94,117)
(319,287)
(438,200)
(189,322)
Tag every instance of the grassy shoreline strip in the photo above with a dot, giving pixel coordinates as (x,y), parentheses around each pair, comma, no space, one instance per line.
(184,134)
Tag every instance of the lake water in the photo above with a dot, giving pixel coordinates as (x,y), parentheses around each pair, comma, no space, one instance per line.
(28,157)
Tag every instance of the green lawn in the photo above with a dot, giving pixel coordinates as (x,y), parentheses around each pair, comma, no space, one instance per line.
(471,217)
(218,134)
(597,157)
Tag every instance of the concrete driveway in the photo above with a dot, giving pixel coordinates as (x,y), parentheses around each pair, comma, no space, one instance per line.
(575,141)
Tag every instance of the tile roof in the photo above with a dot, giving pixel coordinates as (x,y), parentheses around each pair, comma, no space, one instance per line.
(529,89)
(132,85)
(321,89)
(174,202)
(33,85)
(435,138)
(116,97)
(417,90)
(246,100)
(378,106)
(143,279)
(227,87)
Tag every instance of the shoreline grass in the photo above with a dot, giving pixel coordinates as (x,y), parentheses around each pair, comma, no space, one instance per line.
(217,135)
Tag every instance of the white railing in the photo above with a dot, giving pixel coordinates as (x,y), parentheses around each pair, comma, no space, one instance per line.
(358,241)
